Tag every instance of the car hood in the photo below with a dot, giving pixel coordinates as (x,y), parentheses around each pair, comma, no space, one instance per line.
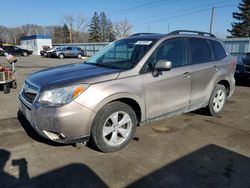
(72,74)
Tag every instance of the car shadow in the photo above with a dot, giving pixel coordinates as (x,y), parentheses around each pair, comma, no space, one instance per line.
(73,175)
(210,166)
(242,82)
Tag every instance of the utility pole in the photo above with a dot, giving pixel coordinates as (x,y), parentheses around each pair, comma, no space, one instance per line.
(148,28)
(14,38)
(211,21)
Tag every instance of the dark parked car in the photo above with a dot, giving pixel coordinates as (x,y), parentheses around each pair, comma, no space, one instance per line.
(68,52)
(14,50)
(243,68)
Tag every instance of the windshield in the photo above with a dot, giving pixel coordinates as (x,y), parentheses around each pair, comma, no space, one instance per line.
(122,54)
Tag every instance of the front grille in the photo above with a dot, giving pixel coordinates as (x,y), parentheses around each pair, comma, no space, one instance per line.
(247,66)
(30,97)
(29,92)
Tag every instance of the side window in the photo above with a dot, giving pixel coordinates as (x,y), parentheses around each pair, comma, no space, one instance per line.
(173,50)
(200,50)
(69,48)
(218,50)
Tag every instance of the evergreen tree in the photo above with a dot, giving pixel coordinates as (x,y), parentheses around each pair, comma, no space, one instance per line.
(65,36)
(104,27)
(94,30)
(242,27)
(111,35)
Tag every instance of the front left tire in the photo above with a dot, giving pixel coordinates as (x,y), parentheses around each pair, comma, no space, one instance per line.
(25,54)
(61,56)
(79,56)
(113,127)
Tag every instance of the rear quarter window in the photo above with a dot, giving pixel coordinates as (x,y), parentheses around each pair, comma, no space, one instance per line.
(200,50)
(218,50)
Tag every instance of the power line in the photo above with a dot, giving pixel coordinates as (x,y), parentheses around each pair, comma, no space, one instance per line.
(186,14)
(184,10)
(177,16)
(143,6)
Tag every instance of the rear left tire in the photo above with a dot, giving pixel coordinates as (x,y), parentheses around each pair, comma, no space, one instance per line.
(217,100)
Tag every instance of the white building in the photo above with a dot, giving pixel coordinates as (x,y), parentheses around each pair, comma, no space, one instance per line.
(36,43)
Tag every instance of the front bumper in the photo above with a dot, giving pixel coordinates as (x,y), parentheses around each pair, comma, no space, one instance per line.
(65,124)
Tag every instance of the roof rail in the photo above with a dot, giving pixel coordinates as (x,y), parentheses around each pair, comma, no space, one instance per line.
(141,34)
(190,31)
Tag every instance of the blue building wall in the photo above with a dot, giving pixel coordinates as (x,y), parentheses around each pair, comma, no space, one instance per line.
(32,37)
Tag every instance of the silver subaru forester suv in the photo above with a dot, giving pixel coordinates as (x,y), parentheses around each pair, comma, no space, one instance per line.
(128,83)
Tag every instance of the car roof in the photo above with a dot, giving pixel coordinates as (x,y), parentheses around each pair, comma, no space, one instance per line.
(147,36)
(181,33)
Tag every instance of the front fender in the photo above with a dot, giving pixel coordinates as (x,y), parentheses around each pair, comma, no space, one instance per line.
(98,95)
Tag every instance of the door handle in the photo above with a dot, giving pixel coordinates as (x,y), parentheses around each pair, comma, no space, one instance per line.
(215,68)
(186,74)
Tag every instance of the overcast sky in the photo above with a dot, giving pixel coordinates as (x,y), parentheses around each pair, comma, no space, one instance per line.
(145,15)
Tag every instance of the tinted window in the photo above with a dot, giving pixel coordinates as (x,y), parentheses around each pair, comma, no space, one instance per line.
(200,50)
(8,47)
(218,50)
(173,50)
(68,48)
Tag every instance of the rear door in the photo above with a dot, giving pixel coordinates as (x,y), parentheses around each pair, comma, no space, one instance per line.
(202,72)
(170,91)
(68,52)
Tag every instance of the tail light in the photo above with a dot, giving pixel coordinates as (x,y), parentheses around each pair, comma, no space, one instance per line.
(232,64)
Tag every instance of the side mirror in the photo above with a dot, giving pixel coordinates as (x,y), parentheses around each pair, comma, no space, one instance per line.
(161,65)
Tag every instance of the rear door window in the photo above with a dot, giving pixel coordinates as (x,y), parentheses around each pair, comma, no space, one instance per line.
(218,50)
(200,50)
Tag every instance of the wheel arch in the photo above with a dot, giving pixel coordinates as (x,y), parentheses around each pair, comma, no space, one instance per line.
(129,99)
(133,104)
(226,84)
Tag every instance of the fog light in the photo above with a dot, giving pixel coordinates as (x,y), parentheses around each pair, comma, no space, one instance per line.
(53,135)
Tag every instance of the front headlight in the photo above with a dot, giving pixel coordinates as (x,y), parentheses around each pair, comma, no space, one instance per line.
(63,95)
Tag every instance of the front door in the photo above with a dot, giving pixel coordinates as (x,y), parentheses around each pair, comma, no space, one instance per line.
(170,91)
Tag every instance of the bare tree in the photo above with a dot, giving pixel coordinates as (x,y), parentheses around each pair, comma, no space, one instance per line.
(69,21)
(80,27)
(122,29)
(4,34)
